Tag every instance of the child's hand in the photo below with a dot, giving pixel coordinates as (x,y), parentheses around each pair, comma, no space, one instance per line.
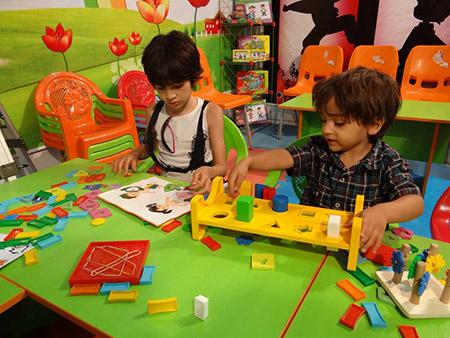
(122,165)
(201,182)
(236,176)
(374,222)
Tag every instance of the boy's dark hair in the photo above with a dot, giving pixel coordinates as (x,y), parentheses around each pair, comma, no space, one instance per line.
(361,94)
(171,59)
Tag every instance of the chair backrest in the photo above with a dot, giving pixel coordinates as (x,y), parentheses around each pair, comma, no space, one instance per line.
(135,86)
(440,218)
(317,63)
(205,83)
(68,96)
(382,58)
(427,74)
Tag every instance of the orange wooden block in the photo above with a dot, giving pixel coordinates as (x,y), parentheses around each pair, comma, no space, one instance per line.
(36,207)
(84,289)
(351,290)
(17,210)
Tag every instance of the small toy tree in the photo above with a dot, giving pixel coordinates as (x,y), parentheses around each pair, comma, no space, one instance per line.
(399,259)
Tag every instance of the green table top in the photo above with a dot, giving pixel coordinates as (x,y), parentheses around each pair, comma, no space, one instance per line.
(242,302)
(10,294)
(425,111)
(327,301)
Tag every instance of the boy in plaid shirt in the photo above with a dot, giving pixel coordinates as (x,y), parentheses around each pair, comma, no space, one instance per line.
(357,107)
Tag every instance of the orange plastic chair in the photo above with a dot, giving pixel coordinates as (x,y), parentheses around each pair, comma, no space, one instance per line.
(75,116)
(135,86)
(382,58)
(207,91)
(317,63)
(427,74)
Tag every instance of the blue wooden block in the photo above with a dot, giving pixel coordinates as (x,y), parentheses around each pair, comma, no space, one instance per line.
(49,241)
(61,224)
(52,199)
(43,211)
(11,217)
(27,198)
(68,185)
(259,190)
(108,287)
(71,173)
(374,315)
(78,214)
(147,274)
(386,268)
(280,203)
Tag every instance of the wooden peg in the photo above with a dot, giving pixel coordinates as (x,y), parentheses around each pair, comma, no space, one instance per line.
(420,271)
(445,297)
(433,250)
(405,250)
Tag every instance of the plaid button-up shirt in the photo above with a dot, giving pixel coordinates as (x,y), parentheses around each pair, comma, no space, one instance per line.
(381,176)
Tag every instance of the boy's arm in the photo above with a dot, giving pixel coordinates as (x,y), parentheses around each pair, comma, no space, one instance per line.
(201,178)
(402,209)
(275,159)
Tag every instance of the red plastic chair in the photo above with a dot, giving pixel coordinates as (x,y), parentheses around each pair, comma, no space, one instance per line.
(382,58)
(440,218)
(75,116)
(427,74)
(135,86)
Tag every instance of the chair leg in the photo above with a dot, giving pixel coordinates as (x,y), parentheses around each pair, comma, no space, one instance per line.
(280,125)
(247,129)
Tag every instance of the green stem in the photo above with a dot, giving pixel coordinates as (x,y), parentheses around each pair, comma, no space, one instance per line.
(65,62)
(118,67)
(159,30)
(195,26)
(134,54)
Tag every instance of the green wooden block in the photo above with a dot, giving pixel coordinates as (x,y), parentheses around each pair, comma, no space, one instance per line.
(41,238)
(10,223)
(71,197)
(360,275)
(64,201)
(47,220)
(14,242)
(44,194)
(36,224)
(244,207)
(414,248)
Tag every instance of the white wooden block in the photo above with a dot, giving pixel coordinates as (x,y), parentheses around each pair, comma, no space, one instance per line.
(201,307)
(334,226)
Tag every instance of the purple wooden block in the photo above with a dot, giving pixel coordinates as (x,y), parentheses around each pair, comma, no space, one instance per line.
(89,205)
(100,213)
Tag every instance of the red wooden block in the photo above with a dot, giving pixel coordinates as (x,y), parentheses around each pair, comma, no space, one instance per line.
(268,193)
(90,178)
(408,331)
(80,200)
(58,184)
(352,315)
(100,177)
(60,212)
(27,218)
(382,256)
(12,234)
(211,243)
(172,225)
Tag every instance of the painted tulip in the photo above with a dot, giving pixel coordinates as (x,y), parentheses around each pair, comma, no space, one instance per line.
(135,38)
(58,40)
(198,3)
(118,47)
(153,11)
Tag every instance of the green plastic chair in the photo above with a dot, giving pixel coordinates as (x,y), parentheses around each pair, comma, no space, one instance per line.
(233,140)
(298,183)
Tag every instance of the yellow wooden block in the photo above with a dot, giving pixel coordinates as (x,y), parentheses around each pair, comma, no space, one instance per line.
(359,204)
(80,173)
(98,221)
(28,234)
(162,305)
(353,251)
(263,261)
(128,296)
(246,189)
(31,257)
(51,215)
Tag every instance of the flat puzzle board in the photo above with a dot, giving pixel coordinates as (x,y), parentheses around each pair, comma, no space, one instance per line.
(429,307)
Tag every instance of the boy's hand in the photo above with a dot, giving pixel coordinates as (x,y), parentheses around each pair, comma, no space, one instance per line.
(374,222)
(236,176)
(201,182)
(122,165)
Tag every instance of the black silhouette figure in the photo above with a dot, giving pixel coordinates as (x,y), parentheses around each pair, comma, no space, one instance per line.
(428,11)
(326,20)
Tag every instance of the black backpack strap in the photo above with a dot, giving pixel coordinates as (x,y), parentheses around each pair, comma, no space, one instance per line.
(150,135)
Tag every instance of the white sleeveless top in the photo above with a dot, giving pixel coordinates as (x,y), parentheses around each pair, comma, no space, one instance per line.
(179,135)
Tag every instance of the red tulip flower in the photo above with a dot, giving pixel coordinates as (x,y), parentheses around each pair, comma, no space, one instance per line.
(135,39)
(118,48)
(153,11)
(58,40)
(197,4)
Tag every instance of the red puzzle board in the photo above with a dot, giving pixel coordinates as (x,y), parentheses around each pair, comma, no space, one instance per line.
(111,262)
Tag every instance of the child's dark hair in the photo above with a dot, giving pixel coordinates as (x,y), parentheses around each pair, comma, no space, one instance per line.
(171,59)
(361,94)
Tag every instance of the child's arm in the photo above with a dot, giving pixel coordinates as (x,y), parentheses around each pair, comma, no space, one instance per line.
(123,164)
(275,159)
(402,209)
(201,178)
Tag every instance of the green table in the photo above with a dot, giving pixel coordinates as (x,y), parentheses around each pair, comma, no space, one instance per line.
(10,294)
(325,304)
(411,110)
(242,302)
